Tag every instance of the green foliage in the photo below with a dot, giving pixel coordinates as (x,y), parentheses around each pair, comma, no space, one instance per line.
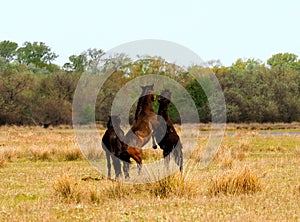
(13,87)
(76,64)
(33,90)
(8,50)
(37,53)
(51,98)
(284,62)
(255,93)
(87,115)
(88,60)
(198,95)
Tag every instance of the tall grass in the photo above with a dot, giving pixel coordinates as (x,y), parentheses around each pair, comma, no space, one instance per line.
(67,189)
(175,185)
(192,196)
(2,161)
(235,182)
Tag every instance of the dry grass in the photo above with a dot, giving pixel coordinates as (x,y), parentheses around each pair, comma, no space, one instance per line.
(152,155)
(175,185)
(67,189)
(297,151)
(235,182)
(2,161)
(19,144)
(43,171)
(265,126)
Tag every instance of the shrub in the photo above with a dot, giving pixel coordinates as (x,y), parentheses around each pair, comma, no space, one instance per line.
(67,189)
(173,185)
(41,154)
(240,182)
(71,155)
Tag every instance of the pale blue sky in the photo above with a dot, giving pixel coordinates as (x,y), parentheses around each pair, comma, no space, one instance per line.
(214,29)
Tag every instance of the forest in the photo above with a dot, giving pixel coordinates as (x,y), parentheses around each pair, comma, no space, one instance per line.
(36,91)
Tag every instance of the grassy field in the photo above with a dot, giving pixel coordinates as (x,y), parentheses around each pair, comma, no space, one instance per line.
(254,177)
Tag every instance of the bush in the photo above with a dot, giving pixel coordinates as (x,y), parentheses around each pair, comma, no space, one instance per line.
(67,189)
(232,182)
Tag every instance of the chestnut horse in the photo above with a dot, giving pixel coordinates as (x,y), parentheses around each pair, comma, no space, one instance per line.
(170,143)
(141,129)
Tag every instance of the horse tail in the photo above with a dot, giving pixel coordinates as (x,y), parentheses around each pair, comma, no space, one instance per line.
(178,155)
(135,153)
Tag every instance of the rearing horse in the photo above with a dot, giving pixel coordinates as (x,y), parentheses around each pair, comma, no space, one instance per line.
(170,143)
(145,119)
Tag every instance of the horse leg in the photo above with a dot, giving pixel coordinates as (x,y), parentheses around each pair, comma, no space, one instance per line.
(154,144)
(117,166)
(178,155)
(166,154)
(136,154)
(108,164)
(126,169)
(156,126)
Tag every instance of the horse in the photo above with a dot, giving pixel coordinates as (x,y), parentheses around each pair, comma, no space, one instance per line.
(170,143)
(112,144)
(141,129)
(115,149)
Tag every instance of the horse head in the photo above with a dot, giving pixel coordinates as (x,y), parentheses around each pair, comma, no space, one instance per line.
(165,96)
(114,119)
(149,90)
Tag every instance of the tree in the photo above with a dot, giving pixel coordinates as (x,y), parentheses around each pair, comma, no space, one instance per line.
(51,100)
(198,95)
(241,66)
(284,62)
(87,60)
(36,53)
(8,50)
(93,57)
(76,64)
(12,97)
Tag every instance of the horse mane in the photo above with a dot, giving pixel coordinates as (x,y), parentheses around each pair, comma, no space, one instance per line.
(164,101)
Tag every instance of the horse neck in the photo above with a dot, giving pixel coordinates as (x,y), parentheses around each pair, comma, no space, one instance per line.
(146,104)
(163,110)
(115,127)
(139,107)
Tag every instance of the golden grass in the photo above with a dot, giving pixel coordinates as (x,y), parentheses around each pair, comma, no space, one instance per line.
(67,189)
(297,151)
(43,172)
(38,144)
(2,161)
(175,185)
(235,182)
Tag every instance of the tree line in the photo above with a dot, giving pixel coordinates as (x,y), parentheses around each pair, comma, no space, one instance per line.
(36,91)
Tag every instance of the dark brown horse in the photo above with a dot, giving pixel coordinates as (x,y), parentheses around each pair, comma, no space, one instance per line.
(170,143)
(112,144)
(141,129)
(115,149)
